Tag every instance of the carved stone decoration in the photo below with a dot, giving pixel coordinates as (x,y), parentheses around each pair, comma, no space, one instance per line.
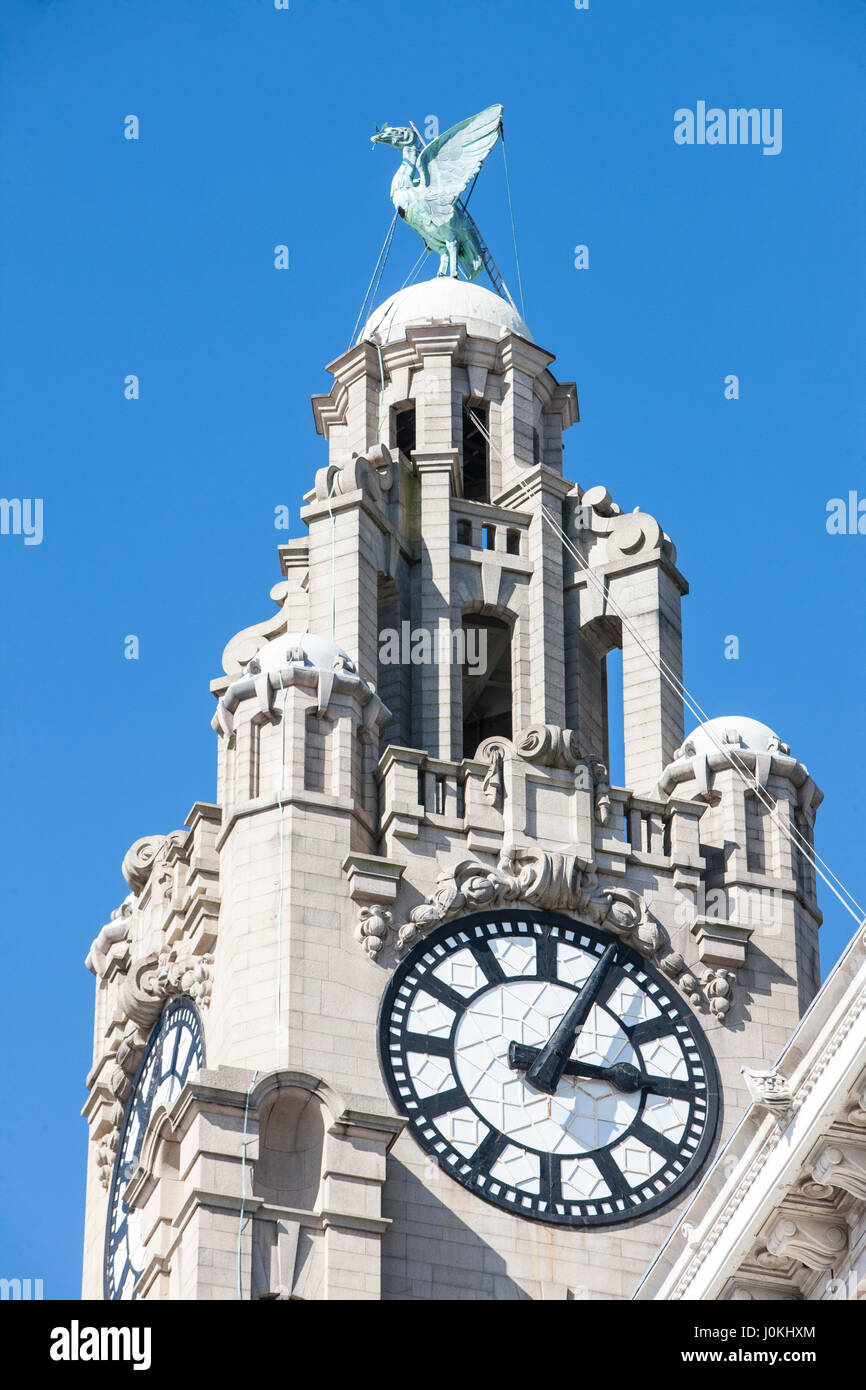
(115,930)
(816,1241)
(246,643)
(374,919)
(106,1151)
(180,972)
(372,473)
(813,1190)
(531,876)
(718,988)
(842,1165)
(548,745)
(675,968)
(140,857)
(742,1292)
(857,1116)
(776,1264)
(601,781)
(493,786)
(126,1060)
(771,1092)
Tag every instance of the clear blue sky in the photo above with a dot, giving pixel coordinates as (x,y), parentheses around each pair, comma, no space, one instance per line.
(155,257)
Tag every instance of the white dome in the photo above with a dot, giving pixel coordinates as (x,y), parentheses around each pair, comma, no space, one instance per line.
(752,734)
(319,652)
(443,300)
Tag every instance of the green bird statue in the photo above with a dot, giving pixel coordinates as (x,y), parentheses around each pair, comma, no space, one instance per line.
(427,187)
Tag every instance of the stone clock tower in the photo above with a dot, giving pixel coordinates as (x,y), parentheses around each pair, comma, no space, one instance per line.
(421,1006)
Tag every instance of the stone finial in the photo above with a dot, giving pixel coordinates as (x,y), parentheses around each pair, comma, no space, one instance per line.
(769,1091)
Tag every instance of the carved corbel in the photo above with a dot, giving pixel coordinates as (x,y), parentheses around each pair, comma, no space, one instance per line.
(842,1165)
(743,1292)
(373,884)
(857,1116)
(816,1241)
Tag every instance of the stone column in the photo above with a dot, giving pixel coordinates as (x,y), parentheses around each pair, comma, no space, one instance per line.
(652,708)
(438,688)
(544,609)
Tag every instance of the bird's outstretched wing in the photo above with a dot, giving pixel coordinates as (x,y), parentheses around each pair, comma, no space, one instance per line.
(453,158)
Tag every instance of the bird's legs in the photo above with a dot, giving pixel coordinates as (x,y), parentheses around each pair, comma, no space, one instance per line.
(448,260)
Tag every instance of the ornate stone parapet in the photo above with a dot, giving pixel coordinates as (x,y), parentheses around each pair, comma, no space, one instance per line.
(401,809)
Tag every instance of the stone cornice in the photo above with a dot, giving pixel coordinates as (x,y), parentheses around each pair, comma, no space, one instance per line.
(769,1154)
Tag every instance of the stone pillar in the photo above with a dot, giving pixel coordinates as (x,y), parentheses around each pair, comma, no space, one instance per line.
(544,609)
(345,554)
(438,688)
(652,707)
(352,1181)
(522,363)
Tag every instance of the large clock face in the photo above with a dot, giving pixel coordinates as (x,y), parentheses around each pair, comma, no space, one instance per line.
(548,1068)
(174,1051)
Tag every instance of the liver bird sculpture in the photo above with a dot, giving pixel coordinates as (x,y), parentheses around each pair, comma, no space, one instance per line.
(427,187)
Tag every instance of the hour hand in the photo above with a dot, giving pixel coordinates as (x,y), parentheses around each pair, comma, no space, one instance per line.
(621,1075)
(546,1071)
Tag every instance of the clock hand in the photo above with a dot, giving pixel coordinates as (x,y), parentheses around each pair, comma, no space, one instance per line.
(621,1075)
(547,1069)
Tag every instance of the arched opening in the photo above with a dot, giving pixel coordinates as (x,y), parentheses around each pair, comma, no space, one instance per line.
(487,688)
(476,461)
(291,1143)
(393,675)
(594,676)
(404,429)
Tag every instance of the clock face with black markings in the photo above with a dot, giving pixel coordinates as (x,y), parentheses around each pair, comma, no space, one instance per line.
(175,1051)
(548,1068)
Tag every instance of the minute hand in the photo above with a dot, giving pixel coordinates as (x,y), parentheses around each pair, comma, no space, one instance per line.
(546,1071)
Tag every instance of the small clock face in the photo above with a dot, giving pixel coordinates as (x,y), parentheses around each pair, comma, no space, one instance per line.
(174,1052)
(548,1068)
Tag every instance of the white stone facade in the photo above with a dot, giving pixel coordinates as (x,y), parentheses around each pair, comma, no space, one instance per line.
(348,822)
(781,1213)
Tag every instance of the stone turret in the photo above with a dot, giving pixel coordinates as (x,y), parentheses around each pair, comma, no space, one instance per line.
(419,731)
(759,885)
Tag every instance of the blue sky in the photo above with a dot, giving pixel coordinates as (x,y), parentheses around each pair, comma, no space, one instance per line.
(155,257)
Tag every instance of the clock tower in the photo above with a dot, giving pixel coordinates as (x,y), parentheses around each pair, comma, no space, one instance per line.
(421,1006)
